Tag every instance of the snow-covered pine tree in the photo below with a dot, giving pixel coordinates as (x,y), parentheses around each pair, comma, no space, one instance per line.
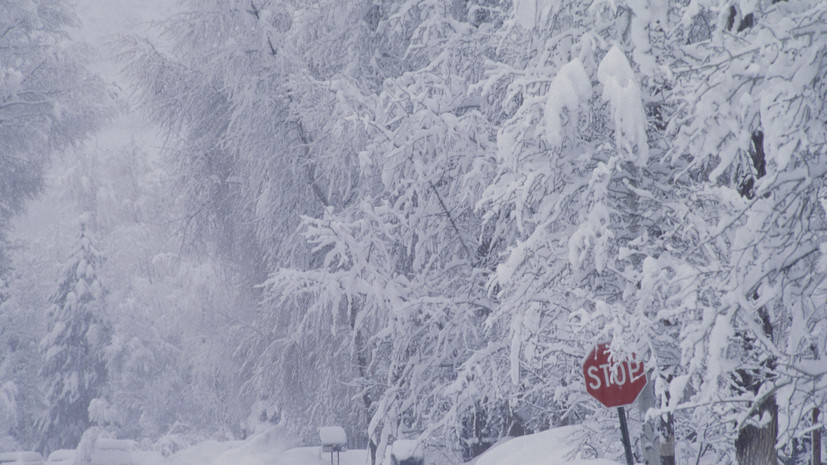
(74,369)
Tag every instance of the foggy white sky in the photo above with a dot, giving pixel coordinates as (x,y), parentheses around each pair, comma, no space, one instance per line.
(102,22)
(44,222)
(105,18)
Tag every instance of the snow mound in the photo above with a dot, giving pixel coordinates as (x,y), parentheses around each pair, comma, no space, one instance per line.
(553,446)
(315,456)
(202,453)
(147,457)
(262,449)
(61,457)
(21,458)
(275,446)
(113,451)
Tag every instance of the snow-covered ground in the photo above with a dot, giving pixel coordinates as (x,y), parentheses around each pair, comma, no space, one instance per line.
(277,447)
(273,447)
(553,447)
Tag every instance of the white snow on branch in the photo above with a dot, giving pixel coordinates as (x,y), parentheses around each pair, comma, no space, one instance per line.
(525,12)
(621,90)
(592,240)
(407,449)
(569,90)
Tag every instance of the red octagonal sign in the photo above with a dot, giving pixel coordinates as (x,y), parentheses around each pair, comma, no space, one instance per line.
(612,385)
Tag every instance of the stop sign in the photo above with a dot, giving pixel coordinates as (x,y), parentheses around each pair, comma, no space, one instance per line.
(613,384)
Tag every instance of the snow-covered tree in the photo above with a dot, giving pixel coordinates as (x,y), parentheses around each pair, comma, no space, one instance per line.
(151,295)
(697,225)
(49,102)
(260,152)
(447,204)
(20,318)
(74,366)
(763,156)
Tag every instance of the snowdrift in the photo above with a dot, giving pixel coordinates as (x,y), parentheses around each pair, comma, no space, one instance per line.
(278,447)
(552,447)
(275,446)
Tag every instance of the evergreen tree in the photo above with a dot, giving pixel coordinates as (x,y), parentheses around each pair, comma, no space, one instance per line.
(74,369)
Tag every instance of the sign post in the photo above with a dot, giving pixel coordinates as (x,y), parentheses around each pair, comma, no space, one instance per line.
(614,384)
(624,435)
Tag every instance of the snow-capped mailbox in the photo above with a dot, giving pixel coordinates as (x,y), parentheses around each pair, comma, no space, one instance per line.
(333,438)
(407,452)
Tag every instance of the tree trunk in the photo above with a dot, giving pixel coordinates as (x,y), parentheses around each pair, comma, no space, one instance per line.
(816,439)
(756,445)
(667,443)
(649,441)
(362,362)
(372,446)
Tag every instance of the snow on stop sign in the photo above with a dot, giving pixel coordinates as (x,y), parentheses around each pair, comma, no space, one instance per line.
(612,385)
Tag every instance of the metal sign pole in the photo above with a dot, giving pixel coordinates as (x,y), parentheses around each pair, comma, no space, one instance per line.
(624,432)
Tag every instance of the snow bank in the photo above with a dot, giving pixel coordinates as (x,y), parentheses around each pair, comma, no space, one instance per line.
(113,452)
(315,456)
(109,452)
(61,457)
(261,449)
(147,457)
(553,446)
(202,453)
(275,446)
(21,458)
